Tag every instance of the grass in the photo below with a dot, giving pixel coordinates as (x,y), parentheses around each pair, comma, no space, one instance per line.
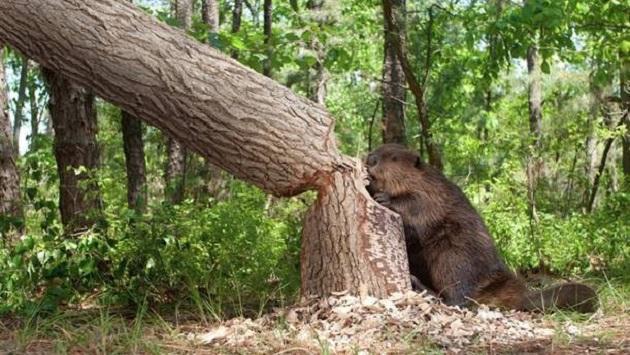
(117,331)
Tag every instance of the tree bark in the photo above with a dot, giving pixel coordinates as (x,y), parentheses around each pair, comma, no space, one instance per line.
(393,88)
(32,96)
(183,13)
(133,144)
(19,104)
(215,181)
(602,165)
(624,82)
(137,195)
(175,174)
(240,120)
(534,164)
(590,166)
(318,79)
(73,112)
(210,14)
(10,200)
(417,89)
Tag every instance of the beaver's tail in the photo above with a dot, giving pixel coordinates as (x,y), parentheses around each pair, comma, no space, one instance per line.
(569,296)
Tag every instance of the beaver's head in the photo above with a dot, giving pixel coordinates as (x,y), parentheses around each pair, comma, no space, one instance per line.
(391,169)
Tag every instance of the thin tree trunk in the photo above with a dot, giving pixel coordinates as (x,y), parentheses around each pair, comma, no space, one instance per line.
(624,82)
(137,195)
(133,144)
(10,200)
(73,112)
(534,163)
(602,165)
(215,181)
(175,174)
(591,139)
(237,12)
(417,89)
(19,104)
(393,88)
(535,122)
(318,75)
(240,120)
(210,15)
(268,8)
(32,96)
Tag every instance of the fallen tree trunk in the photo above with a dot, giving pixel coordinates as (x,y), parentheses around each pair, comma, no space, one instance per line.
(239,120)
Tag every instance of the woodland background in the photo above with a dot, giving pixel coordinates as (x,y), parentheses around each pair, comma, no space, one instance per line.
(522,103)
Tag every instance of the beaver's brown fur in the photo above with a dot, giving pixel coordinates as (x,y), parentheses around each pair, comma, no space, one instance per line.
(450,250)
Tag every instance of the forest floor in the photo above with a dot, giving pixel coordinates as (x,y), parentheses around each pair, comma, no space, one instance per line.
(404,323)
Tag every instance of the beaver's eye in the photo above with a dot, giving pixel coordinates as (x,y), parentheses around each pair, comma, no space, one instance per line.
(371,160)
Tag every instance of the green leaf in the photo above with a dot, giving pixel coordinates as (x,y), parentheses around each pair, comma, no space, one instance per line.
(545,68)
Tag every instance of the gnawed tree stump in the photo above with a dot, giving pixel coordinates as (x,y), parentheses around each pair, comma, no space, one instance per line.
(239,120)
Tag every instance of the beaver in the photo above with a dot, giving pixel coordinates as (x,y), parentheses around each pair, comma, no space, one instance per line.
(449,247)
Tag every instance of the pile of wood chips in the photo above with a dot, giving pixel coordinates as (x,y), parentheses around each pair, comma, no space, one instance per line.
(344,323)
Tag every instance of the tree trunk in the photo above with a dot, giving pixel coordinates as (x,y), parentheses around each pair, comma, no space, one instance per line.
(237,12)
(183,13)
(534,165)
(534,162)
(268,8)
(590,166)
(317,76)
(133,144)
(19,104)
(624,81)
(215,181)
(10,200)
(32,96)
(417,88)
(534,95)
(137,196)
(210,14)
(175,174)
(240,120)
(73,113)
(393,88)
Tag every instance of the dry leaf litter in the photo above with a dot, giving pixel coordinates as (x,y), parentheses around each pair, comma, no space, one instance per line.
(343,323)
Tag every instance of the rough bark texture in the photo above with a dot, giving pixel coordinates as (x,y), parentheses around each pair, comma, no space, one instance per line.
(393,88)
(175,174)
(73,113)
(417,88)
(137,196)
(360,262)
(240,120)
(216,181)
(10,201)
